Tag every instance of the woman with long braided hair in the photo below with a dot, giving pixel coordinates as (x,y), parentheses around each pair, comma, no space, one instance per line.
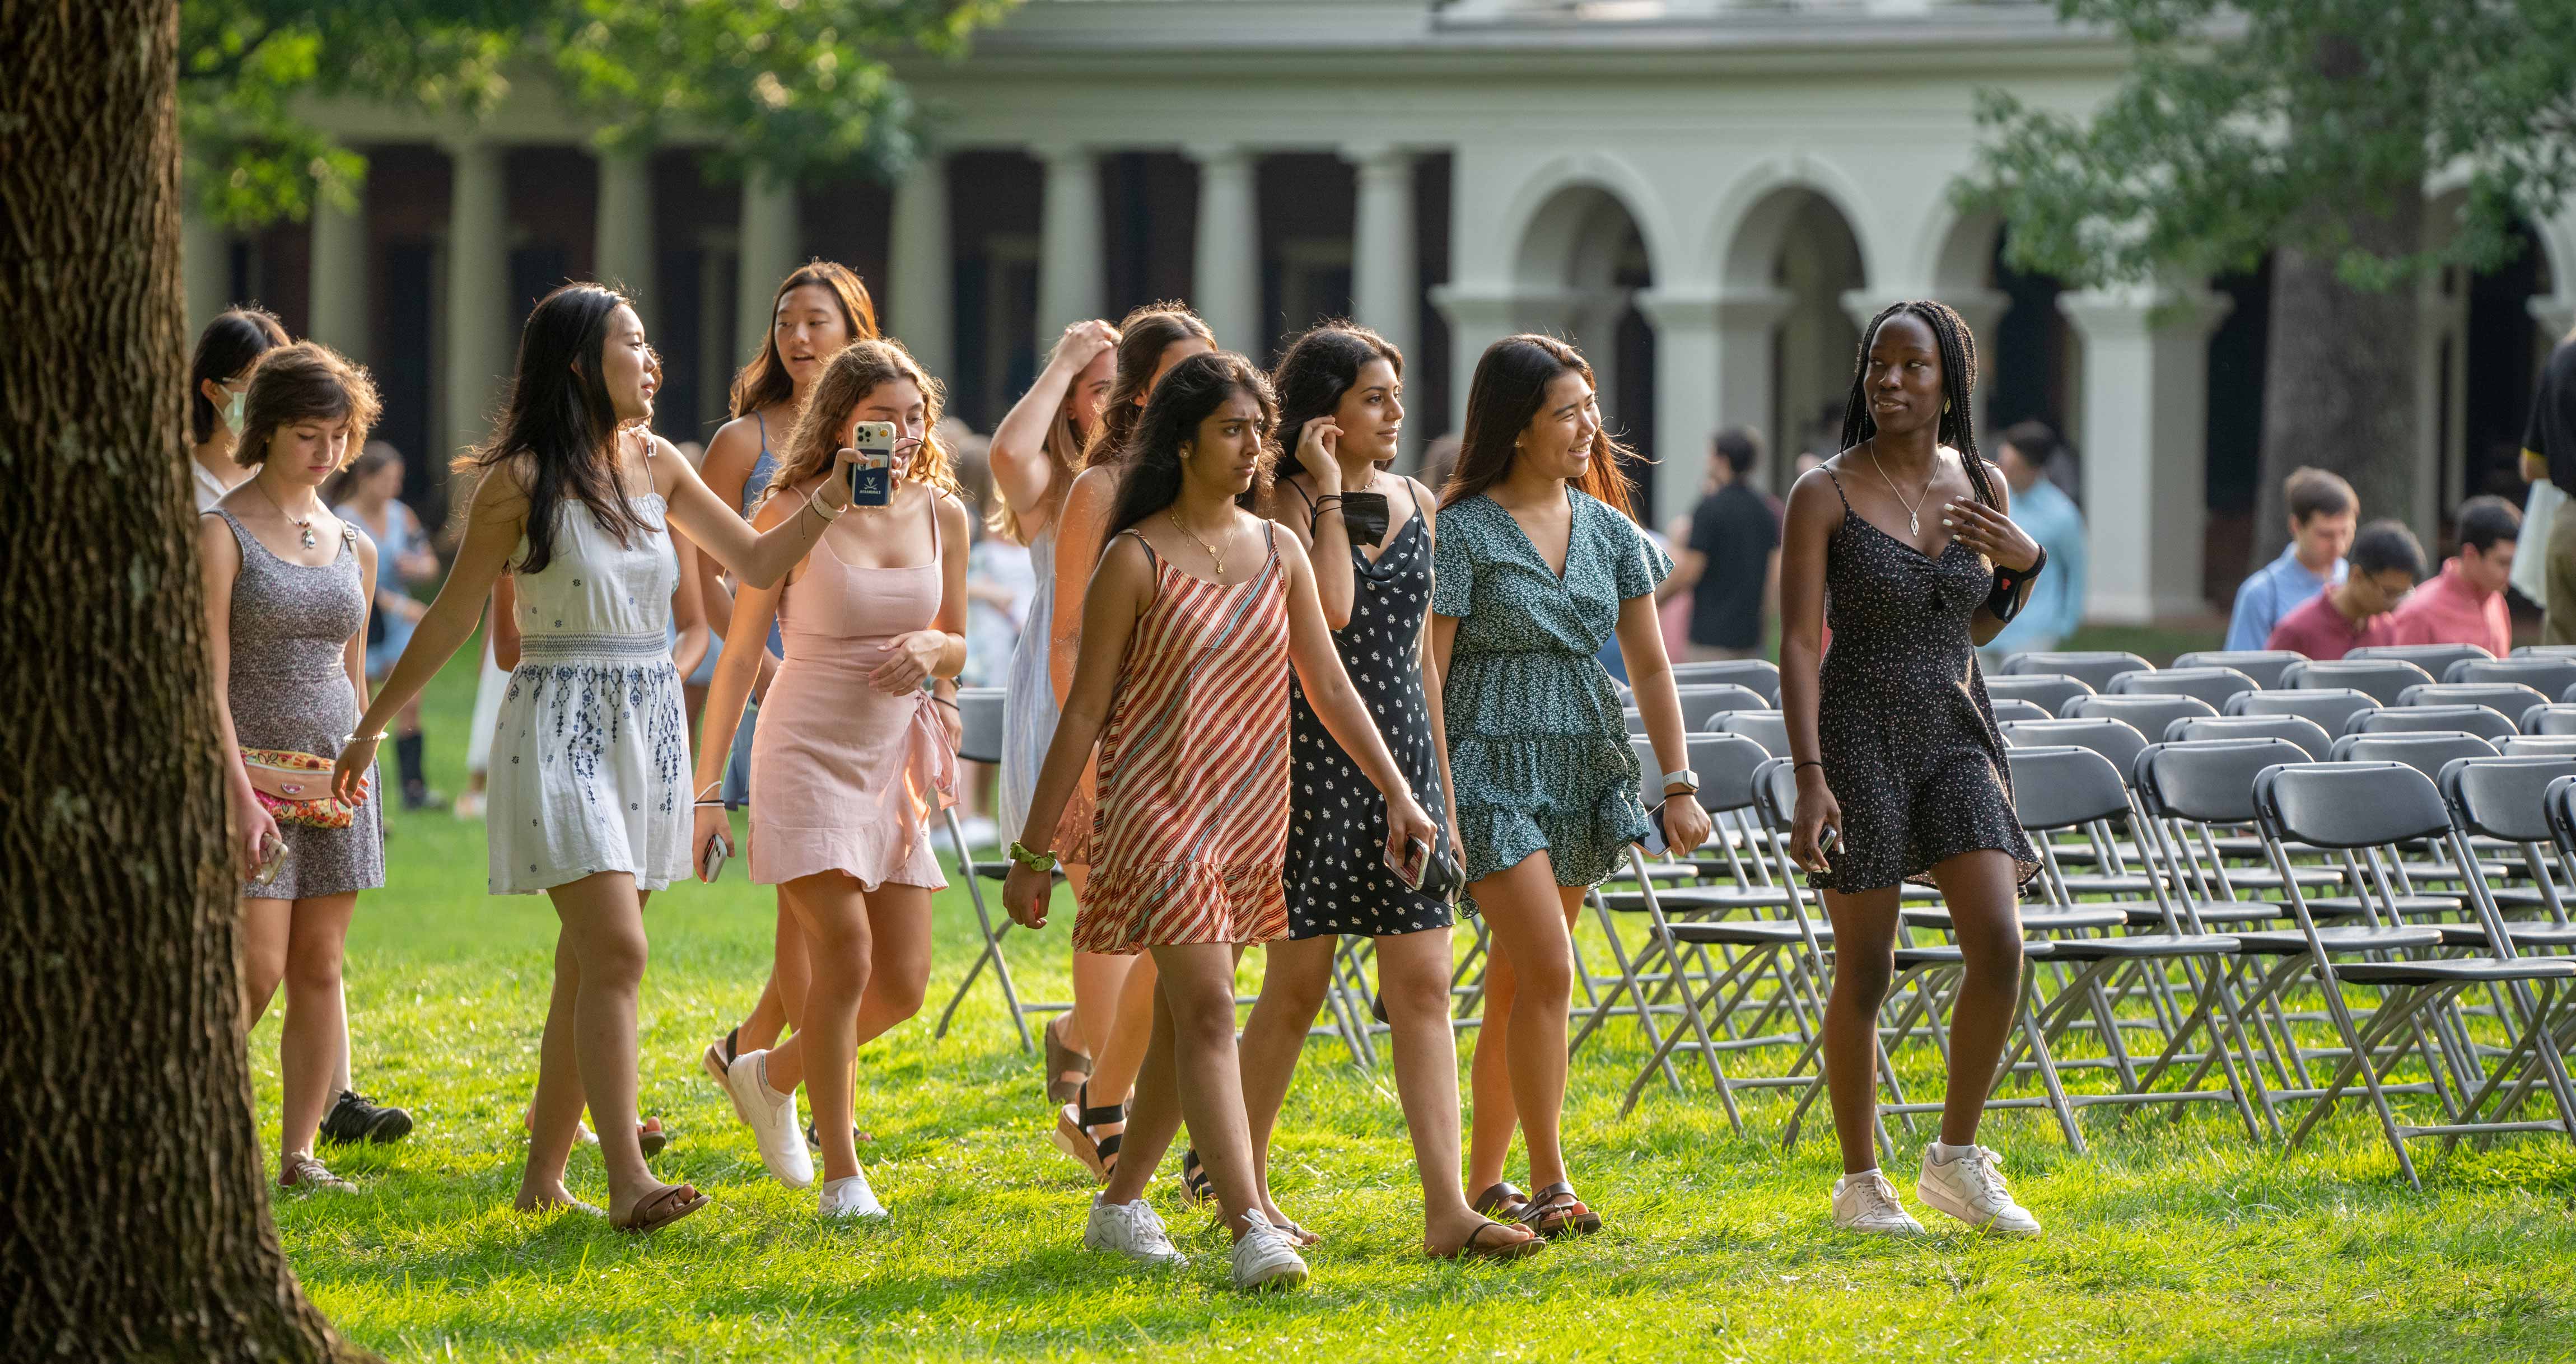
(1903,538)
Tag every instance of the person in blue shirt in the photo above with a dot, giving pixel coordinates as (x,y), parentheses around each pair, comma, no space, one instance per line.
(2042,508)
(2323,511)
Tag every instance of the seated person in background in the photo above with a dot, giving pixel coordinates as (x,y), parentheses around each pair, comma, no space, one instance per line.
(2042,508)
(2386,564)
(2322,509)
(2464,603)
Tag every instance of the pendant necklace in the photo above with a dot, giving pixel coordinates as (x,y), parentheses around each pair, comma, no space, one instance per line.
(1213,556)
(1913,521)
(305,524)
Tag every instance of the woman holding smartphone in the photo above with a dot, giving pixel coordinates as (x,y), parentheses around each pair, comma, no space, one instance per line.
(589,796)
(1197,616)
(852,754)
(1539,565)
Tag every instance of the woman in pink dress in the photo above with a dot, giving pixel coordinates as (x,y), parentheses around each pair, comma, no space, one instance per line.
(852,753)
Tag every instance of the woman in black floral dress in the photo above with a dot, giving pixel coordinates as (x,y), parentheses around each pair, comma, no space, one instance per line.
(1901,773)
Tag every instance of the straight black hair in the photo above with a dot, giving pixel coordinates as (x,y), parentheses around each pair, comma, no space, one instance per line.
(225,348)
(1958,346)
(560,416)
(2385,544)
(2488,520)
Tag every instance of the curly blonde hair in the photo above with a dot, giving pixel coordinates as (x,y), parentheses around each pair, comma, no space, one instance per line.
(848,378)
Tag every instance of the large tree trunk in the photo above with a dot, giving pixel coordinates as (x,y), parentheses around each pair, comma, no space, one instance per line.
(137,1222)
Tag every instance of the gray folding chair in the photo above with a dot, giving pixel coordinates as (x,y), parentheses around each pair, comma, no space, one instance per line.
(2145,714)
(2118,742)
(2328,707)
(2432,658)
(2505,801)
(2381,678)
(2536,745)
(2014,708)
(2094,667)
(2217,686)
(2558,718)
(1699,702)
(980,712)
(2297,729)
(1768,728)
(2047,691)
(2478,720)
(2544,651)
(1761,676)
(2508,699)
(2551,677)
(2358,806)
(2263,665)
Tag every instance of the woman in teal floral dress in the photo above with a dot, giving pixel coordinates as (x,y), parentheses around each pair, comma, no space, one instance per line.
(1538,565)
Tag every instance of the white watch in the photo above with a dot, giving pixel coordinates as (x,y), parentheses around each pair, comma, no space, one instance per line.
(1685,780)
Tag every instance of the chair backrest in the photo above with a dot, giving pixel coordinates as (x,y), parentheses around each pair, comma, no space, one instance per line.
(2558,806)
(2213,685)
(2432,658)
(2508,699)
(2381,678)
(2424,752)
(2559,718)
(2094,668)
(2263,665)
(1724,762)
(1775,794)
(2116,740)
(2551,677)
(2047,691)
(2536,745)
(1701,702)
(2210,781)
(2477,720)
(1636,721)
(2328,708)
(2297,729)
(1761,676)
(2544,651)
(2349,805)
(981,713)
(2015,708)
(2502,797)
(2064,787)
(1768,728)
(2146,714)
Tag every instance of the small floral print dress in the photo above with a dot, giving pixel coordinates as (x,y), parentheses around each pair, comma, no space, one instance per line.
(1538,742)
(590,757)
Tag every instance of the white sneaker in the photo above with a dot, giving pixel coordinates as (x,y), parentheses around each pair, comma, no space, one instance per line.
(851,1197)
(1970,1187)
(1132,1230)
(1265,1257)
(1866,1203)
(771,1116)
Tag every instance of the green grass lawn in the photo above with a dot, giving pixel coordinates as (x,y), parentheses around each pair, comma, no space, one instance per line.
(2169,1242)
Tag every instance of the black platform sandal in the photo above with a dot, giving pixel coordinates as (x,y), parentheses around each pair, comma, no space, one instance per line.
(1073,1133)
(1196,1187)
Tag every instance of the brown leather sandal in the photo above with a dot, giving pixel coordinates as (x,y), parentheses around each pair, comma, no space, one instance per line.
(1502,1200)
(1476,1247)
(1063,1062)
(1557,1212)
(661,1209)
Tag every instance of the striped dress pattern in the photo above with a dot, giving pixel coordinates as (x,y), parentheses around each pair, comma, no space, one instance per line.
(1192,823)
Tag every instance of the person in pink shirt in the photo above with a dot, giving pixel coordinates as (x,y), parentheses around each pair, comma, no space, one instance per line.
(2386,563)
(2464,603)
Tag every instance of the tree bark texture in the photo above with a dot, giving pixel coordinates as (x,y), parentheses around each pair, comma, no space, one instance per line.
(137,1219)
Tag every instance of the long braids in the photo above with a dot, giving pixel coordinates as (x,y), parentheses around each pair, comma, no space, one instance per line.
(1958,428)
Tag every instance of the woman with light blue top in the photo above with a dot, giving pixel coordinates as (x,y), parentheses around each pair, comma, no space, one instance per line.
(2055,608)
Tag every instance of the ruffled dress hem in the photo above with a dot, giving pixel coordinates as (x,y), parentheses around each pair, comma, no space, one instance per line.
(1172,904)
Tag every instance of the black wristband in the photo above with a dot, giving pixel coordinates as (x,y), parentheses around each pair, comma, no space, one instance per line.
(2005,602)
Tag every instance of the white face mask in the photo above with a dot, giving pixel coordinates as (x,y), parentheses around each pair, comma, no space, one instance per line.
(232,413)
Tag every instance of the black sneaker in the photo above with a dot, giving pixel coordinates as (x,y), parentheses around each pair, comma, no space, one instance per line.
(354,1117)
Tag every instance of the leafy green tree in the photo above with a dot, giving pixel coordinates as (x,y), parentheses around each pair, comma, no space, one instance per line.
(2307,129)
(797,86)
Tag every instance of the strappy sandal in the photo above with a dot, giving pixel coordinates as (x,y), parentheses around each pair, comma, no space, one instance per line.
(1501,1200)
(650,1136)
(1063,1061)
(1557,1212)
(1073,1133)
(1476,1247)
(661,1209)
(1196,1187)
(718,1061)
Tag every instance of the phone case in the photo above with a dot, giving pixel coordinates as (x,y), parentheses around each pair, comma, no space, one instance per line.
(872,478)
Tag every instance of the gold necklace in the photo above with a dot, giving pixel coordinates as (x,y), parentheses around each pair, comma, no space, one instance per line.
(1913,524)
(1213,556)
(305,525)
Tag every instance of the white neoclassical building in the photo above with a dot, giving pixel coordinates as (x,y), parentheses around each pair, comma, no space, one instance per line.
(1706,195)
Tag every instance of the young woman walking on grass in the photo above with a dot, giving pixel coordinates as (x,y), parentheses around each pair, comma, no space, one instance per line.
(1192,626)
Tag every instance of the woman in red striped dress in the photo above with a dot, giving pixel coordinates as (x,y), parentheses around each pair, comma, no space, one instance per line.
(1191,624)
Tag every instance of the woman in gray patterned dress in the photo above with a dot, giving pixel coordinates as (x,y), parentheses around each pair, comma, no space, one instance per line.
(287,587)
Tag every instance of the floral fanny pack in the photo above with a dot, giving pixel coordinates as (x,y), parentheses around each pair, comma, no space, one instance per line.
(295,788)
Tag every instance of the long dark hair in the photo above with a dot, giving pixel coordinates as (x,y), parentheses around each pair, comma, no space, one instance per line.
(764,382)
(225,348)
(1958,347)
(1151,477)
(560,416)
(1143,336)
(1511,382)
(1316,372)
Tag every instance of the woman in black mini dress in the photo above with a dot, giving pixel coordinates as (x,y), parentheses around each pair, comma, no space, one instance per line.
(1904,539)
(1370,534)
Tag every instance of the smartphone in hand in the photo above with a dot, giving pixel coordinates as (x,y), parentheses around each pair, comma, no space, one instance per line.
(1417,860)
(718,849)
(872,477)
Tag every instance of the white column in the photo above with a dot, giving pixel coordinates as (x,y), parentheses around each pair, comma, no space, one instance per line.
(771,249)
(1688,333)
(205,261)
(925,285)
(1385,288)
(2146,412)
(1592,317)
(1479,315)
(339,278)
(1071,284)
(478,290)
(1748,328)
(1226,281)
(622,240)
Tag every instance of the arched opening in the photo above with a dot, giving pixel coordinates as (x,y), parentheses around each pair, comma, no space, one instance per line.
(1581,264)
(1797,243)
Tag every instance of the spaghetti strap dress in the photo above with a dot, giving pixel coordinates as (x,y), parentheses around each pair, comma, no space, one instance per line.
(1193,812)
(737,777)
(1336,871)
(1903,726)
(842,774)
(1028,705)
